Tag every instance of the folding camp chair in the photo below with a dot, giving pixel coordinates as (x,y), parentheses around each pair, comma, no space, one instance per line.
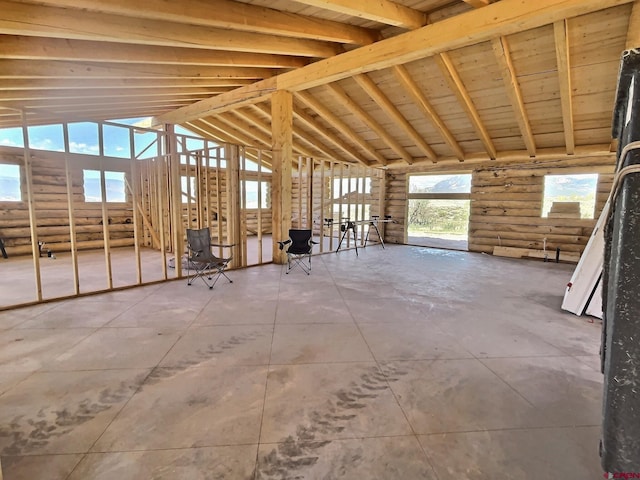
(200,258)
(299,249)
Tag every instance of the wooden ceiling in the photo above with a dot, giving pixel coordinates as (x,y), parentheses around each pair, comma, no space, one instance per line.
(381,83)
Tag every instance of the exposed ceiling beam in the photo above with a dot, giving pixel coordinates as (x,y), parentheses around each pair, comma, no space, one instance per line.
(24,19)
(458,88)
(240,125)
(259,124)
(78,84)
(368,120)
(332,119)
(28,68)
(322,151)
(328,134)
(233,133)
(383,11)
(392,111)
(478,3)
(503,57)
(564,77)
(411,87)
(499,18)
(227,14)
(87,94)
(37,48)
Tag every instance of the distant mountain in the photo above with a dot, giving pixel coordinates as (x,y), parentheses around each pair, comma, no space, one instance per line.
(568,186)
(457,184)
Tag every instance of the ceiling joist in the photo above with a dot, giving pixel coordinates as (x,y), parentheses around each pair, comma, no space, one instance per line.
(410,86)
(501,18)
(564,77)
(23,19)
(392,111)
(503,57)
(340,126)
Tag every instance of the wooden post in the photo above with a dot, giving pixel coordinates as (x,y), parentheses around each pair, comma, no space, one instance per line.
(219,197)
(310,193)
(176,199)
(322,207)
(134,191)
(105,210)
(282,137)
(260,206)
(72,220)
(234,216)
(35,250)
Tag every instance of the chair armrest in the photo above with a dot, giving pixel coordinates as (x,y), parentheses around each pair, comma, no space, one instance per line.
(282,244)
(313,242)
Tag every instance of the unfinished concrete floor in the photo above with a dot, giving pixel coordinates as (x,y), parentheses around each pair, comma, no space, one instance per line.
(404,363)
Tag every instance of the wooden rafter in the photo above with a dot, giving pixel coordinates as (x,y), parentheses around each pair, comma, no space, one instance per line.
(79,95)
(50,84)
(339,125)
(261,126)
(478,3)
(23,19)
(329,135)
(564,77)
(63,69)
(503,57)
(383,11)
(35,48)
(238,136)
(392,111)
(232,120)
(458,88)
(230,15)
(500,18)
(313,142)
(410,86)
(359,112)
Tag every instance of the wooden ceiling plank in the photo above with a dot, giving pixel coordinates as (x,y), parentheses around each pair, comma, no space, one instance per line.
(411,87)
(633,31)
(87,94)
(339,125)
(329,135)
(78,85)
(392,112)
(359,112)
(503,57)
(564,77)
(499,18)
(228,14)
(37,48)
(44,21)
(383,11)
(57,69)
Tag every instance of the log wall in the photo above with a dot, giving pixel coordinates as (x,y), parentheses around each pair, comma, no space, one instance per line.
(49,191)
(506,203)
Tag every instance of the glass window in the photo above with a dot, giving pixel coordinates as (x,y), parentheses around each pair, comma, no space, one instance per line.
(570,196)
(10,190)
(114,182)
(459,183)
(46,137)
(251,194)
(188,189)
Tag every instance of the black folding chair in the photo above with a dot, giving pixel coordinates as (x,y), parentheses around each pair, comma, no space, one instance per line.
(299,249)
(200,255)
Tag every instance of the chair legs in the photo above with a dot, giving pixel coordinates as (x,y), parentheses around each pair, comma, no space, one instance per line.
(299,260)
(211,272)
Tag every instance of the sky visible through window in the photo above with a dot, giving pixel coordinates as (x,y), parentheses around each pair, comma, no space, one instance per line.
(84,138)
